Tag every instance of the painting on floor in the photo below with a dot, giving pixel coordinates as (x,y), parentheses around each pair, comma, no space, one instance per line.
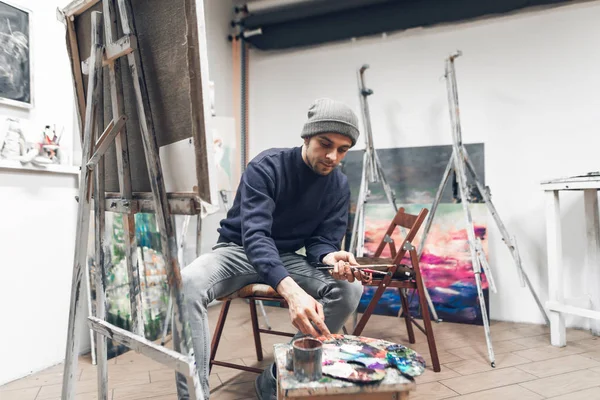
(415,174)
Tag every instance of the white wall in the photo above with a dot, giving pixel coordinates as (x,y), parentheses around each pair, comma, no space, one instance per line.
(37,217)
(218,15)
(37,238)
(529,89)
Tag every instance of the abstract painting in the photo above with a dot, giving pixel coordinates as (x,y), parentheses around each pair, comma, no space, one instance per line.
(153,277)
(15,56)
(414,175)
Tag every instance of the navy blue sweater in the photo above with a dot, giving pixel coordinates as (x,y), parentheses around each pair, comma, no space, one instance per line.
(281,205)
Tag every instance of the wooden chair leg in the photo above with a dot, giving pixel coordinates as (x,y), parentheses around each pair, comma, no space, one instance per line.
(372,304)
(218,331)
(406,311)
(425,312)
(254,318)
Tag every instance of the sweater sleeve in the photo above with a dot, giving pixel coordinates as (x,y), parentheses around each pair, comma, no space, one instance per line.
(328,236)
(256,209)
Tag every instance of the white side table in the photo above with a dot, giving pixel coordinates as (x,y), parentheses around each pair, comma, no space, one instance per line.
(589,184)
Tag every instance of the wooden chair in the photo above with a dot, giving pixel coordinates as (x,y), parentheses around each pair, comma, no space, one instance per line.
(253,293)
(397,277)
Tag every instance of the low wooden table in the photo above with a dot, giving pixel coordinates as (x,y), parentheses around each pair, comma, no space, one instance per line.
(394,387)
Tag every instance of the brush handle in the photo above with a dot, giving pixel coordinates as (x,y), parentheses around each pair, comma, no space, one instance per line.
(326,267)
(320,265)
(375,272)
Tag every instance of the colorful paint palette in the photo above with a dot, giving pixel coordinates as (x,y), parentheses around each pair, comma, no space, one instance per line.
(353,372)
(405,359)
(363,359)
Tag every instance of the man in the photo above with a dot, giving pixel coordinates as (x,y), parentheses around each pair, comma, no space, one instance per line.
(287,199)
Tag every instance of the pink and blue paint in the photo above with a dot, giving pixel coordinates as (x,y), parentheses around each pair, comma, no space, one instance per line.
(415,174)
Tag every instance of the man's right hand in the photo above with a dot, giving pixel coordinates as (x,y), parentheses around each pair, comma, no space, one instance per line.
(304,309)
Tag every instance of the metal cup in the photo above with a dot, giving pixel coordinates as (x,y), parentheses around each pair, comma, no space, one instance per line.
(308,355)
(289,359)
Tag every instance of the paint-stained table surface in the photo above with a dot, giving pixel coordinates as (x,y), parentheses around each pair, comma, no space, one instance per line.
(394,386)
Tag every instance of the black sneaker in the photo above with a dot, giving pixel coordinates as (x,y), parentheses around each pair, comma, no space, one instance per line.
(266,384)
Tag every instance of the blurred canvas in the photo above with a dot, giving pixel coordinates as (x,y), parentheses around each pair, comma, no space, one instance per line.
(15,57)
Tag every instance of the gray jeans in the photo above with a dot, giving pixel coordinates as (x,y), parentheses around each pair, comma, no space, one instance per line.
(225,270)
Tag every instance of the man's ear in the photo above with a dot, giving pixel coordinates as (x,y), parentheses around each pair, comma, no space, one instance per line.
(306,141)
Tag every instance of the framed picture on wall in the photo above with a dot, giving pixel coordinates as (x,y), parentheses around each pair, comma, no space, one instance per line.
(15,57)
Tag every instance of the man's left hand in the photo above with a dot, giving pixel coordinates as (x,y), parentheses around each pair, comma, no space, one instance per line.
(343,262)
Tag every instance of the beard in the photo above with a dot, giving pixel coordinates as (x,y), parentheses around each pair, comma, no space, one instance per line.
(322,168)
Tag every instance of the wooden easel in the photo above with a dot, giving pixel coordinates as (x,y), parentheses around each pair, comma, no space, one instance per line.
(96,140)
(460,163)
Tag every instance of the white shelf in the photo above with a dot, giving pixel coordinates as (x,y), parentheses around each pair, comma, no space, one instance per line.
(52,169)
(567,309)
(590,180)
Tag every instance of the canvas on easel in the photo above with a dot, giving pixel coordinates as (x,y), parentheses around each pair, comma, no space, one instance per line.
(413,173)
(179,135)
(177,101)
(131,104)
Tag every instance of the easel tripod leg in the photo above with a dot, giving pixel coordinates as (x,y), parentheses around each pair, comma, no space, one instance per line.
(168,319)
(461,176)
(504,232)
(359,213)
(484,317)
(389,193)
(83,212)
(264,313)
(429,221)
(181,247)
(88,292)
(100,276)
(164,218)
(124,175)
(462,182)
(434,206)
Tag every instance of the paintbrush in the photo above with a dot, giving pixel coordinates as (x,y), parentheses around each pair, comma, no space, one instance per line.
(402,273)
(320,265)
(366,270)
(373,271)
(362,268)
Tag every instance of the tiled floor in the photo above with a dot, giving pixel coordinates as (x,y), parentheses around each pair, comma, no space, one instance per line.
(527,367)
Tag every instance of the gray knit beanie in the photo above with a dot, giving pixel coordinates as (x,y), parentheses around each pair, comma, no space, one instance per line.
(330,116)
